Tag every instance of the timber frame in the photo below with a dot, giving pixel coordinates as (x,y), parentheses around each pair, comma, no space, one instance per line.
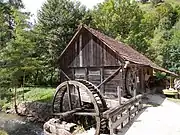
(96,71)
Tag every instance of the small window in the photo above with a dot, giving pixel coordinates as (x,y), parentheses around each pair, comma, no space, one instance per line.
(79,72)
(94,72)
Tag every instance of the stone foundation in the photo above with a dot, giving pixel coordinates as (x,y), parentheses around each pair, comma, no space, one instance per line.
(35,111)
(56,127)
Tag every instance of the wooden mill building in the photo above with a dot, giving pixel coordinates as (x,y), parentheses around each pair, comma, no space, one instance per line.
(105,62)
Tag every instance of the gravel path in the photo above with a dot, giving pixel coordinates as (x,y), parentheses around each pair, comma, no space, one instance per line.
(161,119)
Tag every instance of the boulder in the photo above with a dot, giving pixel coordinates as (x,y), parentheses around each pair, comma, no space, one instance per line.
(57,127)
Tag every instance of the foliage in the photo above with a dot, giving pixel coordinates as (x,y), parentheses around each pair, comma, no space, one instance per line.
(18,55)
(29,53)
(121,20)
(171,51)
(41,94)
(3,132)
(163,19)
(58,20)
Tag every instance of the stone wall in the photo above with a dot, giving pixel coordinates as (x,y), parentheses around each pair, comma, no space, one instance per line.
(35,111)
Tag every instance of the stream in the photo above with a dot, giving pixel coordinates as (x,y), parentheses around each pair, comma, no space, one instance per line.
(16,125)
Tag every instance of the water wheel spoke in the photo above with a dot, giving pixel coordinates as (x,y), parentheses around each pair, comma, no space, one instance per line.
(69,97)
(79,96)
(67,113)
(86,113)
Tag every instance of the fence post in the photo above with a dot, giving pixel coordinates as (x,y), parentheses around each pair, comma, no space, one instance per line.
(129,111)
(119,94)
(110,126)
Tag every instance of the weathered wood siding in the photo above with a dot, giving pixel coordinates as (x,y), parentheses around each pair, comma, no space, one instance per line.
(88,58)
(111,86)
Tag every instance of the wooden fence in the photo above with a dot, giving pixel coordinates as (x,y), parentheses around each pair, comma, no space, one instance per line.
(120,116)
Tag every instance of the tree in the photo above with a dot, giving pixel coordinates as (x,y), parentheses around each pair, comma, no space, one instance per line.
(18,4)
(171,52)
(57,22)
(165,18)
(121,20)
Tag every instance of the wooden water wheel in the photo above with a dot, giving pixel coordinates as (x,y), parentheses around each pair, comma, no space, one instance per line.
(80,98)
(131,82)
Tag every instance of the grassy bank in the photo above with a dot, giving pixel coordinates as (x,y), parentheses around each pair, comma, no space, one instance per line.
(41,94)
(3,132)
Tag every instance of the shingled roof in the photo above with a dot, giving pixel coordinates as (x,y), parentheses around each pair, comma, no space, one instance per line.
(124,51)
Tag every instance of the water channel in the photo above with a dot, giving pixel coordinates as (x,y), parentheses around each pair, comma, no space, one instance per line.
(16,125)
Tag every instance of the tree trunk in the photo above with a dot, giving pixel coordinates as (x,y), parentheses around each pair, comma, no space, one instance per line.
(23,85)
(15,101)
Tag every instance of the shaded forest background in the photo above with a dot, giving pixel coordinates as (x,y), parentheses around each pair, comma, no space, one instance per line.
(29,52)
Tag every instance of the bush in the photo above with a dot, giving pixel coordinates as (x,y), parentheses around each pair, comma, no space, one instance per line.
(3,132)
(2,103)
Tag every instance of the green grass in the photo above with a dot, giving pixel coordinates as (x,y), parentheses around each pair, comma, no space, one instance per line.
(3,132)
(36,94)
(40,94)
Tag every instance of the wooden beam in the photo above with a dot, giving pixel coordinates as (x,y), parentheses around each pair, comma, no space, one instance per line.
(65,114)
(102,78)
(98,66)
(119,94)
(86,113)
(86,73)
(91,52)
(65,74)
(120,87)
(136,82)
(111,127)
(69,97)
(109,78)
(79,96)
(80,53)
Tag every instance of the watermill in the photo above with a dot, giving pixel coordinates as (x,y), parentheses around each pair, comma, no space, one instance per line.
(96,74)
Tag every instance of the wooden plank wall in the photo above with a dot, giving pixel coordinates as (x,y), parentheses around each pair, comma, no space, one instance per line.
(111,86)
(88,58)
(88,51)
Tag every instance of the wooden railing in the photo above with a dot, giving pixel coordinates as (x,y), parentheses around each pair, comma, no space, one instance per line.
(120,116)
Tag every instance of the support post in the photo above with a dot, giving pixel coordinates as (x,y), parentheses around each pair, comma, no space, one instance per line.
(86,73)
(129,111)
(119,94)
(110,126)
(102,78)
